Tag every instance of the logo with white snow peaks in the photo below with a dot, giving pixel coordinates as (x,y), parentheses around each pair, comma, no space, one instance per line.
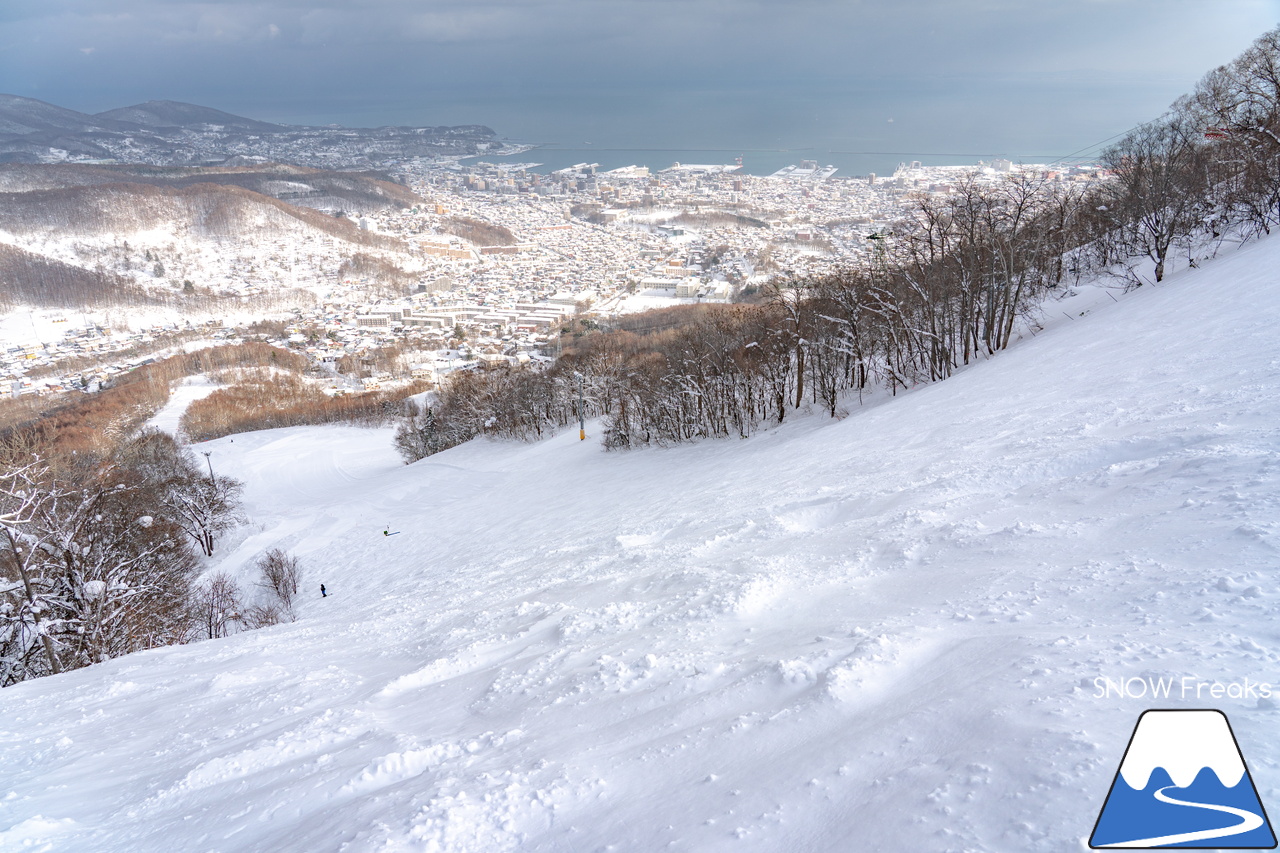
(1183,783)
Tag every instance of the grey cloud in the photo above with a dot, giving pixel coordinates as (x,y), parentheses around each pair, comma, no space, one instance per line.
(394,60)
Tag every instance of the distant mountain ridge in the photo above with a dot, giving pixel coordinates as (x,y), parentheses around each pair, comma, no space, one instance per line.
(178,114)
(21,116)
(172,133)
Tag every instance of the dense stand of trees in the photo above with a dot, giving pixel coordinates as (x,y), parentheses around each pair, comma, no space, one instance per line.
(30,279)
(478,231)
(96,556)
(382,276)
(274,400)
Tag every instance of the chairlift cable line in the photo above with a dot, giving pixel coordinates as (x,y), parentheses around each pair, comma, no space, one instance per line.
(1105,141)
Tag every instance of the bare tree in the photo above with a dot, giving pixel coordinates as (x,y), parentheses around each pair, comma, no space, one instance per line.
(265,615)
(281,574)
(216,607)
(204,507)
(23,604)
(1159,196)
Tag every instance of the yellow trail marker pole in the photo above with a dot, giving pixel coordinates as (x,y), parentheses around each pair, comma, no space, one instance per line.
(582,421)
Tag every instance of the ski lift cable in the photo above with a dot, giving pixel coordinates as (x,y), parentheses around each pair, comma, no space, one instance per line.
(1105,141)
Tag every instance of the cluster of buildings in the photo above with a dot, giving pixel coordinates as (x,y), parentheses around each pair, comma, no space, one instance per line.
(585,241)
(687,232)
(32,368)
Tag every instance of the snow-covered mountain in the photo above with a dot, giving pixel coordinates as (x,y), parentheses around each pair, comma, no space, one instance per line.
(21,116)
(1183,744)
(882,633)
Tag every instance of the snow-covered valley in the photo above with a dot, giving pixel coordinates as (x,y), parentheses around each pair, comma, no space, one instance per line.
(882,633)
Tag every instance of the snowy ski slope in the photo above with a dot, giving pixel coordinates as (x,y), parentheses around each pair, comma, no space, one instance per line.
(874,634)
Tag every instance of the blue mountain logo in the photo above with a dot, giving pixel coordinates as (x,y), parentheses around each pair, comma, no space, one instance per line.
(1183,783)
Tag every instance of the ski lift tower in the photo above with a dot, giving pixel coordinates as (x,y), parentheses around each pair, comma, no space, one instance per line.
(879,250)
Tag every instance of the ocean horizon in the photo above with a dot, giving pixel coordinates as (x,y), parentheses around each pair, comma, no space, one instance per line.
(872,129)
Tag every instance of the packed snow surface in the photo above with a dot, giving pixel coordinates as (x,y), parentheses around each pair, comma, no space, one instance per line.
(169,418)
(896,631)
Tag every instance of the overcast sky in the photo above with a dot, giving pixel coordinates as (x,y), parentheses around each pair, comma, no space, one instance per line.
(1043,71)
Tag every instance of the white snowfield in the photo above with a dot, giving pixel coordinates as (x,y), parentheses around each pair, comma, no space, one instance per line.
(874,634)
